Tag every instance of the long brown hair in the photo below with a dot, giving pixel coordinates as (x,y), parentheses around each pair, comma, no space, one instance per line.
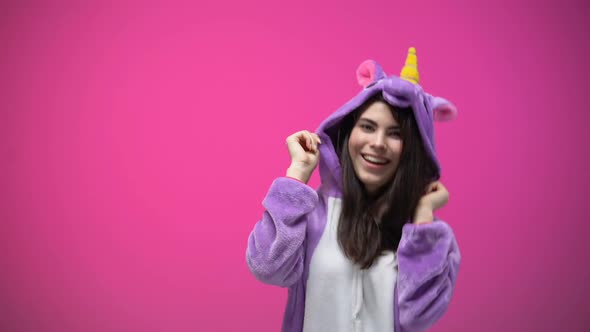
(372,224)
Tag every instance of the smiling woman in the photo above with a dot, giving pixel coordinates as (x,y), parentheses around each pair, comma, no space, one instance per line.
(364,251)
(385,170)
(375,146)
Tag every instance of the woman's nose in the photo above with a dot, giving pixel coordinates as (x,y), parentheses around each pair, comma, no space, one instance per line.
(378,141)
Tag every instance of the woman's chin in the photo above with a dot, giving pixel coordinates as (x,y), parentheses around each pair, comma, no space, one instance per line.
(372,186)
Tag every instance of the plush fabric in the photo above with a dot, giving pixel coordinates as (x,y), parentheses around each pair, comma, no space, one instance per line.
(428,261)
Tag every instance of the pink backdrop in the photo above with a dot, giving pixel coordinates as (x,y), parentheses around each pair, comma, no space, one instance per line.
(137,144)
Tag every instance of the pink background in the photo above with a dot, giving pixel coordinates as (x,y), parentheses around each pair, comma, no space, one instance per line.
(138,142)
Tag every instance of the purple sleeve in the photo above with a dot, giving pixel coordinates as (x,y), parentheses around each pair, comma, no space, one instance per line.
(275,252)
(428,262)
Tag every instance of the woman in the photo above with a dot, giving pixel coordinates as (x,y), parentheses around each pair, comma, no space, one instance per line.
(363,252)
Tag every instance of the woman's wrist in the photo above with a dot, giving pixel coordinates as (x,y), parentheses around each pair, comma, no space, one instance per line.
(423,215)
(297,174)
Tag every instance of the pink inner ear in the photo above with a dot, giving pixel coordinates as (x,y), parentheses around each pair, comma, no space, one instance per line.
(445,112)
(365,74)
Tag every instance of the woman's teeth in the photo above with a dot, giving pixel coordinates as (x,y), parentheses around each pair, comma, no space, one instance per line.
(375,160)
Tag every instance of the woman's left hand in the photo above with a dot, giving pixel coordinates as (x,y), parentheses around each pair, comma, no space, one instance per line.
(435,197)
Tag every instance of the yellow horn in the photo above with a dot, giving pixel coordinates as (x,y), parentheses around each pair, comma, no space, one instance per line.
(410,70)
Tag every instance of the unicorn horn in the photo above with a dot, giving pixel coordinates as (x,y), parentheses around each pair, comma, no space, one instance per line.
(410,70)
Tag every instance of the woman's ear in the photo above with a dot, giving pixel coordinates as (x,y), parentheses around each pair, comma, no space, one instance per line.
(369,72)
(442,109)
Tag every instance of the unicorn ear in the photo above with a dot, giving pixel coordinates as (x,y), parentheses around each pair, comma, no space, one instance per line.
(442,109)
(368,72)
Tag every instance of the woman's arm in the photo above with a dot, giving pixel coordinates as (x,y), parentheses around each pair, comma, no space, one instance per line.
(275,253)
(428,263)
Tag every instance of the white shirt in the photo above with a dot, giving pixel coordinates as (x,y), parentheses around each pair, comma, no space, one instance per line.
(340,296)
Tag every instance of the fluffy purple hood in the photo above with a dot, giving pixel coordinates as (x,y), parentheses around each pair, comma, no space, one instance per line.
(398,92)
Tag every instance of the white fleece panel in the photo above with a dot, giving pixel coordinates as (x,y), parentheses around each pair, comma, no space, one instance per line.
(341,297)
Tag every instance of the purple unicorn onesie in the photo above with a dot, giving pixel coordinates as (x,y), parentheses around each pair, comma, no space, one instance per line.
(295,244)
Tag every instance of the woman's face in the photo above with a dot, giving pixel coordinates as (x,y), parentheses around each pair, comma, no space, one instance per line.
(375,146)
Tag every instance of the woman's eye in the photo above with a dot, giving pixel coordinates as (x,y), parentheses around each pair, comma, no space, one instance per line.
(395,134)
(366,127)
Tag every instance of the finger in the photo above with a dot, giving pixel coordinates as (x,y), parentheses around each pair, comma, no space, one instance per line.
(444,189)
(440,187)
(297,138)
(303,139)
(294,139)
(312,143)
(432,187)
(317,137)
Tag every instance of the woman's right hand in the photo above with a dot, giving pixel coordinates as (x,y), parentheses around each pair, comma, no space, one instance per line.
(303,148)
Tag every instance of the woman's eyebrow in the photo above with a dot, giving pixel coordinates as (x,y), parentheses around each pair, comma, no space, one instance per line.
(396,126)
